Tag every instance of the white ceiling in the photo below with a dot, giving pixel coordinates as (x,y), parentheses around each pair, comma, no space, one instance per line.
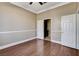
(37,8)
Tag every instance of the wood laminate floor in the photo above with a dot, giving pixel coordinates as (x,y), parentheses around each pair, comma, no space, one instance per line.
(39,47)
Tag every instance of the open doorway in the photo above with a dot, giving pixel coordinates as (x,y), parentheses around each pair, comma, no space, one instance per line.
(47,29)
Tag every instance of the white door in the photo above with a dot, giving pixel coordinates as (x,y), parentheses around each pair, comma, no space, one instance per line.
(68,28)
(40,29)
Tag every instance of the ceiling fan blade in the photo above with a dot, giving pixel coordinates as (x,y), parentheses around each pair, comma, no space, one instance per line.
(30,3)
(40,3)
(45,2)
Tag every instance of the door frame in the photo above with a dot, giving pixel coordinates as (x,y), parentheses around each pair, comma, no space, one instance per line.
(42,32)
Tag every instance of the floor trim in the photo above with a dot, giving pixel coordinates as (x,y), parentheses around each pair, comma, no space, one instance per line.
(19,42)
(56,41)
(15,43)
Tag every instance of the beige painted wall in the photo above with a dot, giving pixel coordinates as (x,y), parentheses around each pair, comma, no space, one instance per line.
(16,24)
(55,15)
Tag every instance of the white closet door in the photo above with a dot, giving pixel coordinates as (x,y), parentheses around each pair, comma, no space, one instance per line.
(68,28)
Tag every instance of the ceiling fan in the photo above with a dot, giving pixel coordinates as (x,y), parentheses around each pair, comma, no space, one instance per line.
(41,3)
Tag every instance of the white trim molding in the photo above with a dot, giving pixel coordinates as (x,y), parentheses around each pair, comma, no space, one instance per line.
(26,40)
(54,41)
(59,42)
(16,43)
(4,32)
(33,11)
(23,7)
(58,5)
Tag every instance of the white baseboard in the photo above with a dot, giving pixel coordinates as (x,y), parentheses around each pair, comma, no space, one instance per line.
(78,48)
(61,43)
(16,43)
(19,42)
(52,41)
(56,41)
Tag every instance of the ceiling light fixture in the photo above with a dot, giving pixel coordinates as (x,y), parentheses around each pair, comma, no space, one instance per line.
(41,3)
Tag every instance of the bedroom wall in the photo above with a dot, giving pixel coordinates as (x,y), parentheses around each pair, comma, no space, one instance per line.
(55,16)
(16,24)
